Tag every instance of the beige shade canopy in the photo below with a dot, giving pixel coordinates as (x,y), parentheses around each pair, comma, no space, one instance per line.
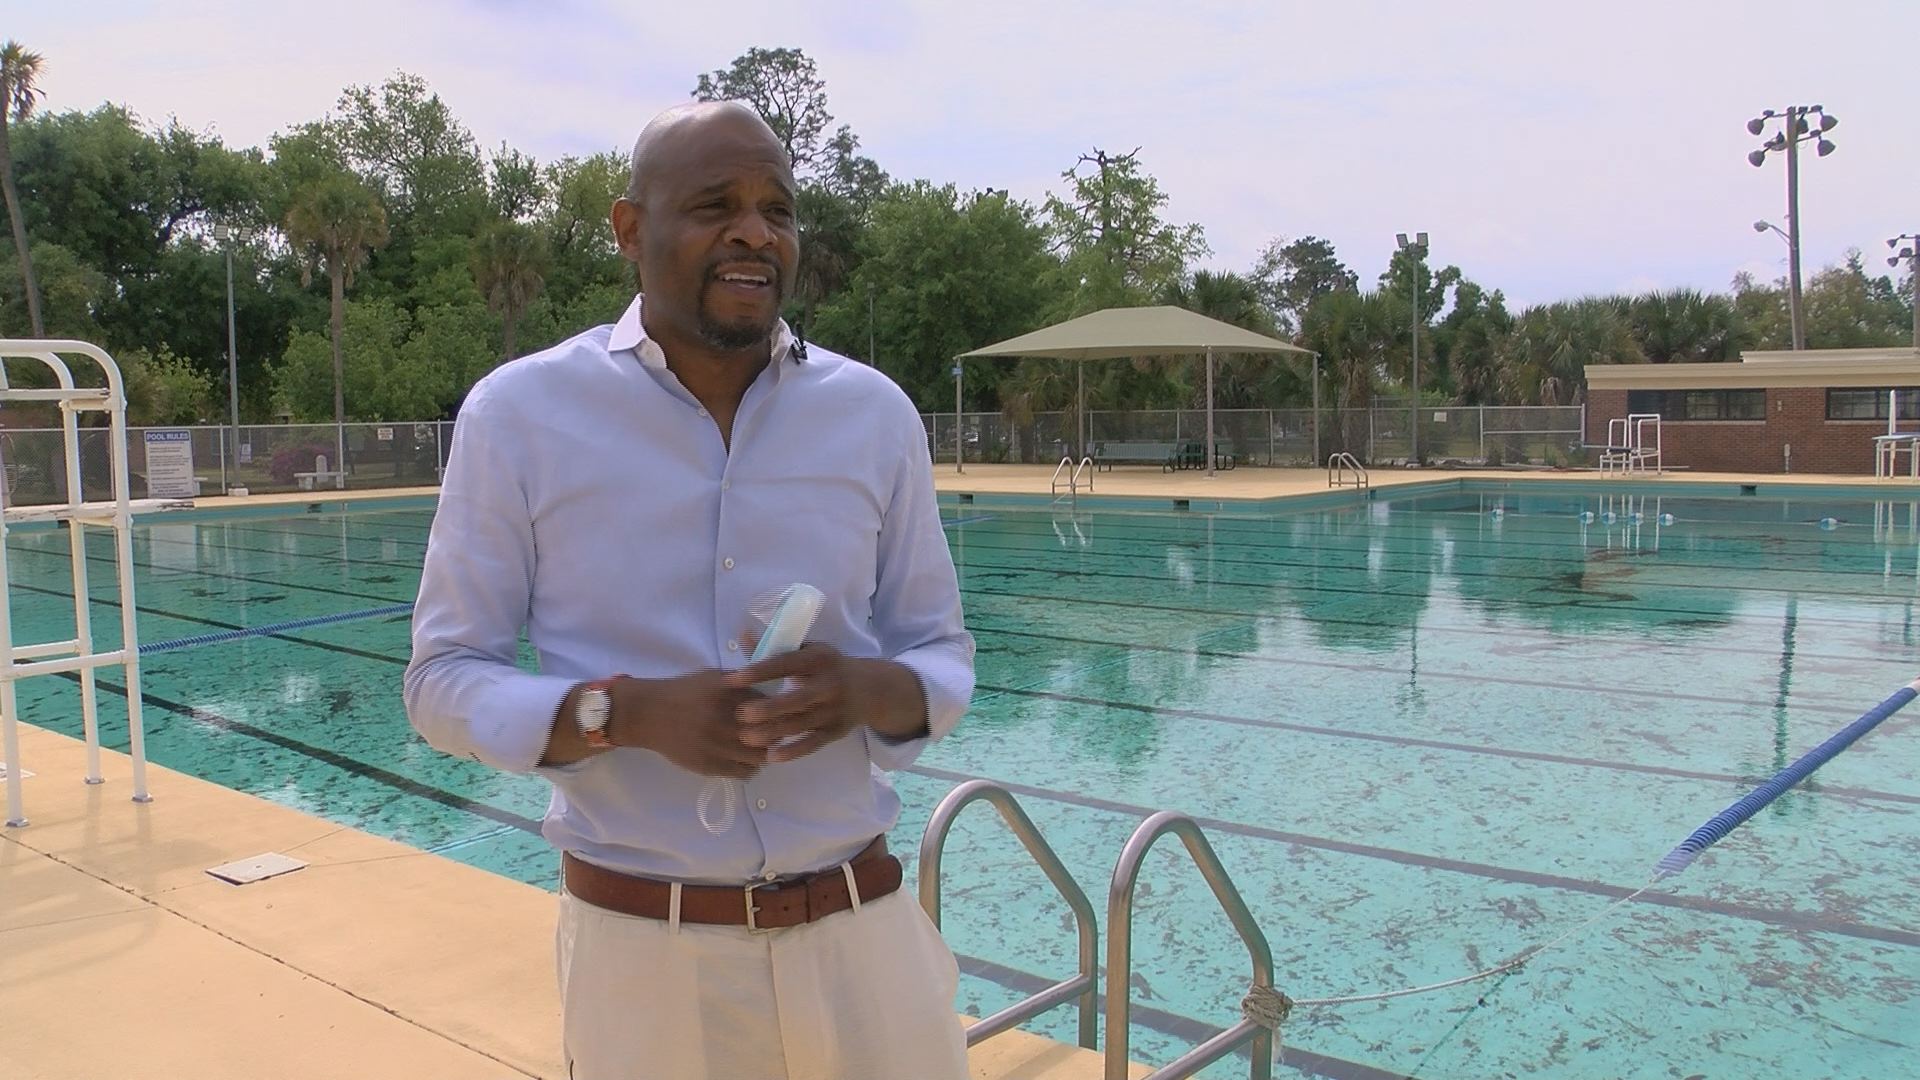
(1121,333)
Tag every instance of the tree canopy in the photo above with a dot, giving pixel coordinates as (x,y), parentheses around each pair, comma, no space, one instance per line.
(441,258)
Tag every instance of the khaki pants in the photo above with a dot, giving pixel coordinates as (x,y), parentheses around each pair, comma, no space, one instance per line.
(859,995)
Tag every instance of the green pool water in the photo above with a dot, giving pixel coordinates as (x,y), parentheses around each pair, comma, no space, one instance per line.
(1422,734)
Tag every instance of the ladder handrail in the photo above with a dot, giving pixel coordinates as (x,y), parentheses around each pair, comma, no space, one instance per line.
(1066,465)
(1083,985)
(1086,467)
(1120,953)
(1339,464)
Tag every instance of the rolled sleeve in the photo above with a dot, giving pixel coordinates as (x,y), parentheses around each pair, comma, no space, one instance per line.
(916,607)
(464,692)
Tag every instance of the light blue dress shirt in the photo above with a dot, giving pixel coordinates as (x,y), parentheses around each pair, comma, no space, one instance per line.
(590,499)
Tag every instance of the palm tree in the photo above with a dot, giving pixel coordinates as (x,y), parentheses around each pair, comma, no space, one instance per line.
(510,263)
(1544,358)
(1234,299)
(337,222)
(1684,326)
(19,92)
(1354,333)
(829,242)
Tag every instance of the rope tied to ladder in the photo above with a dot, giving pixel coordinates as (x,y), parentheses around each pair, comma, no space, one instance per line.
(1266,1006)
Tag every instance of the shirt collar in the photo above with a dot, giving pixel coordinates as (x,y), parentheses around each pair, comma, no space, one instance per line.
(630,333)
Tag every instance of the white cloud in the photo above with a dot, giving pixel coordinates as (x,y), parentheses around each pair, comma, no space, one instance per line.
(1550,152)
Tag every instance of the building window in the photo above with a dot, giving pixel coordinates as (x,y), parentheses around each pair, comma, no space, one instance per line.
(1699,404)
(1647,401)
(1871,404)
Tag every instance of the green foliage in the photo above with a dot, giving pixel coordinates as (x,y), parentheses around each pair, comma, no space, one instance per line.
(1543,360)
(785,88)
(1684,326)
(1291,275)
(945,273)
(509,268)
(164,389)
(1110,232)
(392,373)
(442,259)
(1846,309)
(72,295)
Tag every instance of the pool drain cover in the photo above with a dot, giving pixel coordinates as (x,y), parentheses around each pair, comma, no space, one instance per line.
(257,868)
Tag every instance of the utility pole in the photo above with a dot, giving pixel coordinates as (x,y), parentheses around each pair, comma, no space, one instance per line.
(1912,255)
(1794,130)
(1417,251)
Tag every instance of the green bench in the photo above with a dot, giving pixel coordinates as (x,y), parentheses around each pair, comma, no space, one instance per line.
(1167,455)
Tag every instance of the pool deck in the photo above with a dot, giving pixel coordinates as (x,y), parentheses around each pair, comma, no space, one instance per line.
(1254,484)
(120,955)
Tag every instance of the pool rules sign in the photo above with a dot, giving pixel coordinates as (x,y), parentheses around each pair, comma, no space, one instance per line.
(170,463)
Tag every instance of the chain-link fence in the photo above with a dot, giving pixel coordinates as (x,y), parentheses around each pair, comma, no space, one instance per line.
(258,458)
(320,457)
(1468,435)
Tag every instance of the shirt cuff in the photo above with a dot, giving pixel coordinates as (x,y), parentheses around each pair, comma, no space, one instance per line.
(946,683)
(513,721)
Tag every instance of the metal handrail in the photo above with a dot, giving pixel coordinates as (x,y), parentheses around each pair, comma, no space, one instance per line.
(1083,985)
(1120,953)
(1066,466)
(1074,474)
(1339,464)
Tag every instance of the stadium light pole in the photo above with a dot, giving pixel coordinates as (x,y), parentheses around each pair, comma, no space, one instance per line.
(1795,128)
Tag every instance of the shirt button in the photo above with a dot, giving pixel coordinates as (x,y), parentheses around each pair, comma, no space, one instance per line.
(733,646)
(725,484)
(703,412)
(728,563)
(769,875)
(762,804)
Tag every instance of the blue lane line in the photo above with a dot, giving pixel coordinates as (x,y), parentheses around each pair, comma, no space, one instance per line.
(274,628)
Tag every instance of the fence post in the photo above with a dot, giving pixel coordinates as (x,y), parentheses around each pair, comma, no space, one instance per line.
(1269,438)
(1483,434)
(225,486)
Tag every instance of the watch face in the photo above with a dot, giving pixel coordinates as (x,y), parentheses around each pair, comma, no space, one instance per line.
(594,705)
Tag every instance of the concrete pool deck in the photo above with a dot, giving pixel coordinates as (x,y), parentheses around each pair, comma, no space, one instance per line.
(120,955)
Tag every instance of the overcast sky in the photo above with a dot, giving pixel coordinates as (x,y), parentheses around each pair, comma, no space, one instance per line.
(1551,149)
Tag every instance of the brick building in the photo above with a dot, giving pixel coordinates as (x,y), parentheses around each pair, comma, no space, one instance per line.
(1813,411)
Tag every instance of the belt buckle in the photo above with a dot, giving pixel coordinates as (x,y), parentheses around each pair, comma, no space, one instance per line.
(754,909)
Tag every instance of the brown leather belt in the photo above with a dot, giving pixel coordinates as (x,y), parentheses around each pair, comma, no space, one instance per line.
(757,906)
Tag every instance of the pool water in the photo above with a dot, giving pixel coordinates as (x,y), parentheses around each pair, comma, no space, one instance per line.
(1422,734)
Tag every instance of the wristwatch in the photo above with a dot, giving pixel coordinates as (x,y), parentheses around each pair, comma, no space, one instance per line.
(592,711)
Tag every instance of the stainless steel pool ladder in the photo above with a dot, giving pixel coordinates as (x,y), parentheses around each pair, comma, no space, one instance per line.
(1120,954)
(1082,985)
(1073,475)
(1345,470)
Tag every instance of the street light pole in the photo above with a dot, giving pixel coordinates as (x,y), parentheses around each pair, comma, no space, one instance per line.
(226,236)
(1794,302)
(1420,241)
(1794,130)
(1912,255)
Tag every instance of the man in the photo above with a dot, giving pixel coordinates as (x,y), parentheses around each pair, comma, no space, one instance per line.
(629,496)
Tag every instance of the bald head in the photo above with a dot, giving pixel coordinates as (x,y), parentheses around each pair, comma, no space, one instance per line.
(709,221)
(671,136)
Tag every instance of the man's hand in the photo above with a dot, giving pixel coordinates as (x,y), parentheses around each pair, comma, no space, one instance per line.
(692,721)
(832,694)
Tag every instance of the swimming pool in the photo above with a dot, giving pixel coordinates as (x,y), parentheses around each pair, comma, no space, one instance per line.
(1421,736)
